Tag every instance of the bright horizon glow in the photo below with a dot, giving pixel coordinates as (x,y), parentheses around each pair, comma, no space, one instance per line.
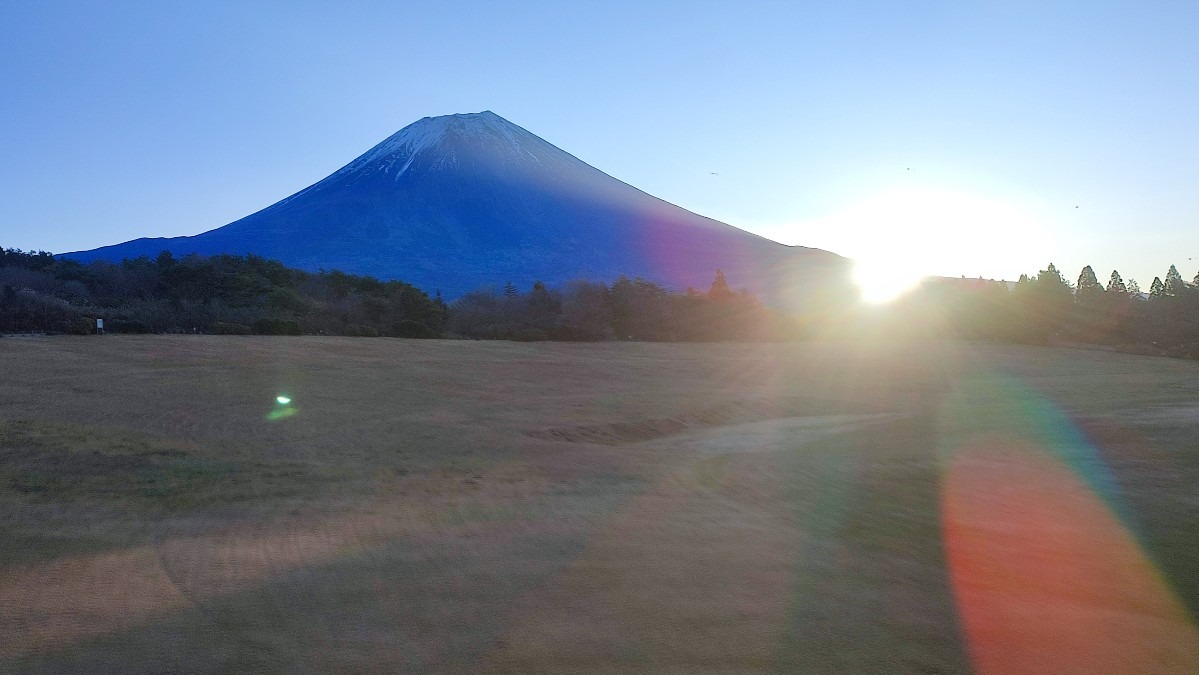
(901,236)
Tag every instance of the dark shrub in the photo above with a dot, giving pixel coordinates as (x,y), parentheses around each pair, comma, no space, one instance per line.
(276,327)
(529,335)
(412,329)
(126,326)
(82,326)
(358,330)
(224,328)
(573,334)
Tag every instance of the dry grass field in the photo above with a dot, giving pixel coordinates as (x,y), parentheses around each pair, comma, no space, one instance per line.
(452,506)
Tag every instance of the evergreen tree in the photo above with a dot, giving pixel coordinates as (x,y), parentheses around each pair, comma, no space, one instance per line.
(440,313)
(543,307)
(1112,322)
(720,288)
(510,290)
(1052,278)
(541,299)
(1157,290)
(1046,304)
(586,313)
(1134,289)
(1052,288)
(1088,323)
(1174,286)
(1088,290)
(1116,284)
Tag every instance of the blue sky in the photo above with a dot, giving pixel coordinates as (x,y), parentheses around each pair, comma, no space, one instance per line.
(949,138)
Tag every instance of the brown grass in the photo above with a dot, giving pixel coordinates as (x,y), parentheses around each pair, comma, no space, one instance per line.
(466,506)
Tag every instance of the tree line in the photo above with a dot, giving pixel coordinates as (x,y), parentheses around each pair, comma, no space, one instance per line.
(627,309)
(1047,307)
(229,294)
(218,294)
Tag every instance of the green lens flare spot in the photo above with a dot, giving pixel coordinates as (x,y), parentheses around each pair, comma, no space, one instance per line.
(281,414)
(283,409)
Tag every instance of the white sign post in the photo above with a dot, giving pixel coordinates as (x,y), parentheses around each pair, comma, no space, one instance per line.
(99,326)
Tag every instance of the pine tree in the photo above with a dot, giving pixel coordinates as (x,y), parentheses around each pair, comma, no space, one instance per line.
(510,290)
(1134,289)
(544,306)
(1086,322)
(1052,277)
(1174,286)
(720,288)
(1110,323)
(1157,290)
(1052,289)
(1116,284)
(1088,290)
(1048,303)
(539,296)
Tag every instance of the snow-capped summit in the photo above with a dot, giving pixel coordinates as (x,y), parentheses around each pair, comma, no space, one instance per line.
(484,129)
(457,202)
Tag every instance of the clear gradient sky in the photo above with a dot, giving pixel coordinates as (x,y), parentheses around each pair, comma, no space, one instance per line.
(952,138)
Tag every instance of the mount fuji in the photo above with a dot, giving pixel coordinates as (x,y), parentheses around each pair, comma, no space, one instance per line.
(458,202)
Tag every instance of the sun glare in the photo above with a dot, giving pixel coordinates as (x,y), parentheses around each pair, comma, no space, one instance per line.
(880,282)
(899,237)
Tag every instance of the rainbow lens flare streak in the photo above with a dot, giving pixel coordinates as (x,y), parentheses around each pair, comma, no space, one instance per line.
(1046,570)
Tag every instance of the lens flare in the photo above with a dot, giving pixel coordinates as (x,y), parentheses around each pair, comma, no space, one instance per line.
(1046,568)
(283,408)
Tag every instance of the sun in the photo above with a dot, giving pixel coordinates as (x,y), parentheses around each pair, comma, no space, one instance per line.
(879,283)
(899,237)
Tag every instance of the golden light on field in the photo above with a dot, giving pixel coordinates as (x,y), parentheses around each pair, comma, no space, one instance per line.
(899,237)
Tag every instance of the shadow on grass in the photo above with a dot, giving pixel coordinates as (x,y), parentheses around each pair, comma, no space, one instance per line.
(872,592)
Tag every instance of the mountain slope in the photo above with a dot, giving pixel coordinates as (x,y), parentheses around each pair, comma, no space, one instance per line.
(457,202)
